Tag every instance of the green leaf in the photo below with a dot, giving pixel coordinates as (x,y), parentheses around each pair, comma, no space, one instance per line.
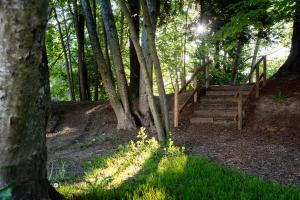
(6,193)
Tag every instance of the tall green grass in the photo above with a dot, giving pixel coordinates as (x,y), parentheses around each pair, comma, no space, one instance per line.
(145,170)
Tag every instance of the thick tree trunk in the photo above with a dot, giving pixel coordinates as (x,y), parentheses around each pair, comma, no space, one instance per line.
(113,41)
(67,63)
(23,155)
(154,55)
(134,6)
(82,70)
(147,82)
(292,64)
(123,121)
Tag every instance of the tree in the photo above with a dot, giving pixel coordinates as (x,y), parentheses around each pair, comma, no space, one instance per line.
(292,64)
(78,20)
(67,59)
(134,6)
(23,155)
(125,119)
(160,126)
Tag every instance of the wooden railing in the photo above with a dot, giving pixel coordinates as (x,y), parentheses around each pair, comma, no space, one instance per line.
(256,87)
(177,108)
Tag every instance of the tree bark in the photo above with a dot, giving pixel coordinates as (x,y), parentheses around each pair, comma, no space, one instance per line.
(68,47)
(123,121)
(113,41)
(78,19)
(23,155)
(154,55)
(236,62)
(292,64)
(255,53)
(134,6)
(143,99)
(147,82)
(67,64)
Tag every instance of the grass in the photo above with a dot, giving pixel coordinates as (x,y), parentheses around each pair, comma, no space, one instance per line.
(145,170)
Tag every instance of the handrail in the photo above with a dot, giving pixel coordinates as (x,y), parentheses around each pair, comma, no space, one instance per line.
(197,70)
(177,109)
(255,87)
(249,75)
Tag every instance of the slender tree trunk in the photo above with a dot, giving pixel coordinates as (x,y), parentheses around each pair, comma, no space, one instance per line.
(113,41)
(134,6)
(147,82)
(237,62)
(255,53)
(123,121)
(97,75)
(122,32)
(68,47)
(82,70)
(144,108)
(71,92)
(154,55)
(292,64)
(216,56)
(183,74)
(23,155)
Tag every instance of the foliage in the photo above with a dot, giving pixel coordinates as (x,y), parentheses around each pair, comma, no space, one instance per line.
(145,170)
(280,98)
(6,192)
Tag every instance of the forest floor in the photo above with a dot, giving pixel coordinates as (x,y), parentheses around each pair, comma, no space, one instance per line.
(268,146)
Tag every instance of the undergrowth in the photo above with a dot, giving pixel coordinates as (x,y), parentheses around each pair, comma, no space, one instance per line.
(146,170)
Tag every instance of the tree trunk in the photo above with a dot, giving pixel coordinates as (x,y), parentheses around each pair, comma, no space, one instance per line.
(183,73)
(134,6)
(147,82)
(67,64)
(236,62)
(82,70)
(154,55)
(97,75)
(23,155)
(292,64)
(123,121)
(143,99)
(216,56)
(68,47)
(255,53)
(113,41)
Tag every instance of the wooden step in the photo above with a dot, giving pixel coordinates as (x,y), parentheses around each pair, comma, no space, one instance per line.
(216,106)
(215,113)
(230,87)
(219,100)
(210,120)
(224,93)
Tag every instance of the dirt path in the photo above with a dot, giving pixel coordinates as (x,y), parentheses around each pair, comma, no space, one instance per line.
(268,146)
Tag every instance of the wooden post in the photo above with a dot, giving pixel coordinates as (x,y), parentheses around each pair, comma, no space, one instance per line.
(206,76)
(240,112)
(265,71)
(195,86)
(176,105)
(257,81)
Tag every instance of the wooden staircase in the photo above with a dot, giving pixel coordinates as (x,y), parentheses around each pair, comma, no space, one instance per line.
(219,105)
